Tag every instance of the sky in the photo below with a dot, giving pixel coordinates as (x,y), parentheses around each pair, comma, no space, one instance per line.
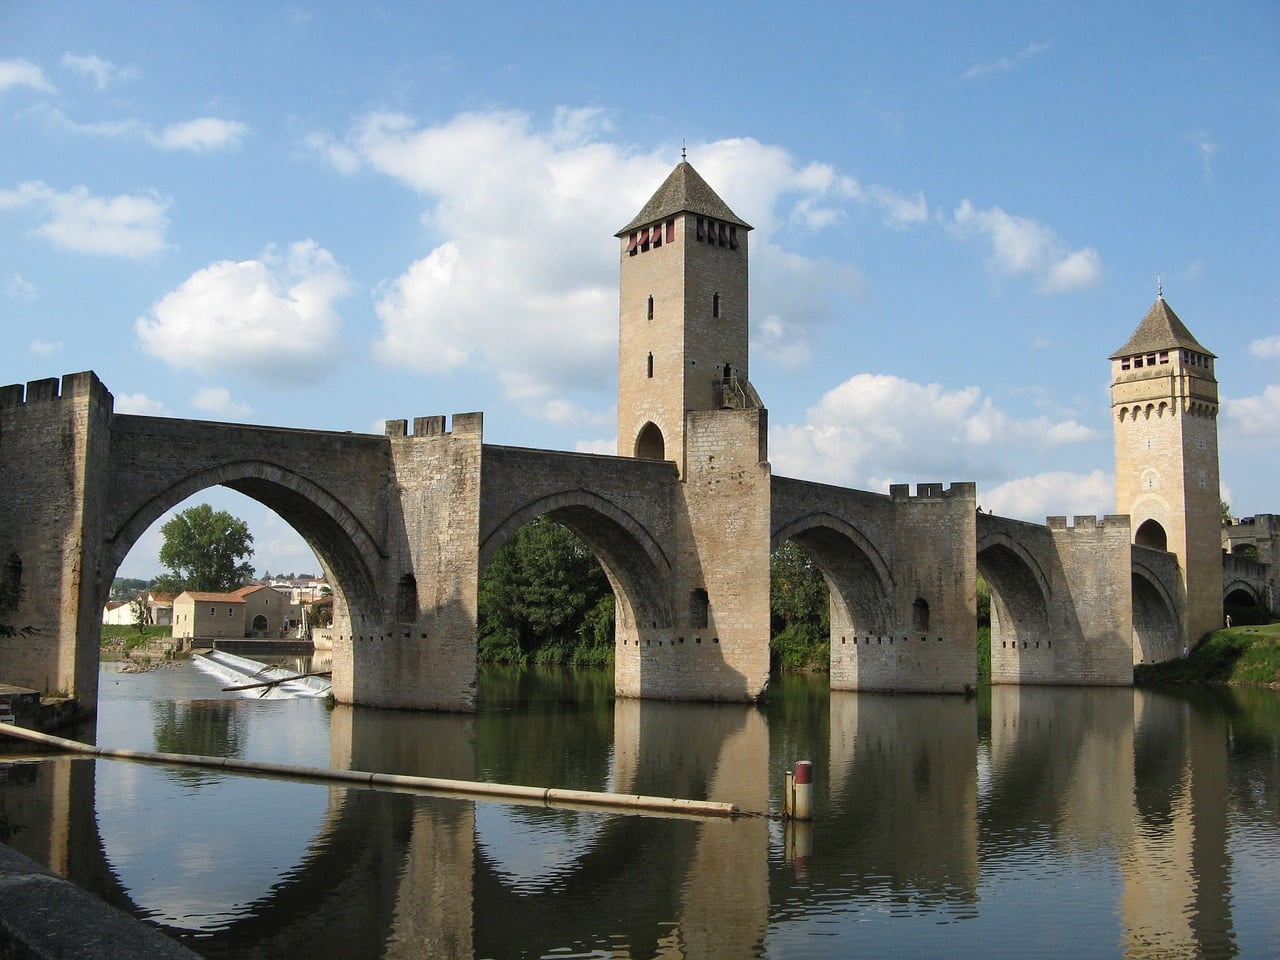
(326,215)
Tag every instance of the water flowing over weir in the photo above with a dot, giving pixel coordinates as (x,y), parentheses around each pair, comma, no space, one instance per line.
(241,673)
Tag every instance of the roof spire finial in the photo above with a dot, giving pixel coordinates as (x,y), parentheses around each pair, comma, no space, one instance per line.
(683,150)
(1159,287)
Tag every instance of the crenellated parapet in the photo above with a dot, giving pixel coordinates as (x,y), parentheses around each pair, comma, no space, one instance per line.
(464,425)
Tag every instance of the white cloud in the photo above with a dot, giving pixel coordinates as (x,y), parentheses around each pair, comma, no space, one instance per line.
(1056,494)
(200,135)
(874,428)
(1255,418)
(899,211)
(23,73)
(124,226)
(217,401)
(1005,63)
(1207,148)
(520,284)
(272,317)
(45,347)
(140,404)
(102,72)
(19,287)
(1268,348)
(1021,245)
(609,446)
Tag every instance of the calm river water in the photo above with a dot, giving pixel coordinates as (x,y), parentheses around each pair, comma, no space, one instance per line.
(1026,822)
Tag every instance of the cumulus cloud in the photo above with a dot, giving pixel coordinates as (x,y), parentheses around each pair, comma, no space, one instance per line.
(23,73)
(103,73)
(18,287)
(1005,63)
(518,281)
(875,429)
(129,225)
(1254,418)
(272,317)
(217,401)
(1267,348)
(1055,494)
(1021,245)
(140,404)
(200,135)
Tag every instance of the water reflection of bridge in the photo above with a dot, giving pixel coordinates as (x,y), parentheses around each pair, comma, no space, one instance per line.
(921,799)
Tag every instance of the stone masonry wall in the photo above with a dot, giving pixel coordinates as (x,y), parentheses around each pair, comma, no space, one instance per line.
(53,445)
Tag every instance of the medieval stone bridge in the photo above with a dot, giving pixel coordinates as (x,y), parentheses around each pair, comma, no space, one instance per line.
(403,525)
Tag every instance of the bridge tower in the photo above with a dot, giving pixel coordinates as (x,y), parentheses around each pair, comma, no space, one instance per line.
(682,333)
(1164,405)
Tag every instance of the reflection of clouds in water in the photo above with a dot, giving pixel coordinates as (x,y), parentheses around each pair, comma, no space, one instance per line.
(529,847)
(198,866)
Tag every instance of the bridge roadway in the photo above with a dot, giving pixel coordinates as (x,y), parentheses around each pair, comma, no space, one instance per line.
(404,523)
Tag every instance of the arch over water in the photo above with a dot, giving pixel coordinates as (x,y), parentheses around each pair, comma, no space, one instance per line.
(637,567)
(1019,600)
(1156,631)
(858,579)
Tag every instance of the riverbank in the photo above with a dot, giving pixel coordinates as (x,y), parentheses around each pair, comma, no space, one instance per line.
(1242,656)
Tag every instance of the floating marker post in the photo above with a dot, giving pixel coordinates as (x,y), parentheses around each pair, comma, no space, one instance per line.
(802,801)
(788,795)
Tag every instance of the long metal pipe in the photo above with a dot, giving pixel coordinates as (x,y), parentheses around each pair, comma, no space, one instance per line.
(543,796)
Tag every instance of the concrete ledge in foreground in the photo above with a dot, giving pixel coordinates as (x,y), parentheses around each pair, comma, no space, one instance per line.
(43,917)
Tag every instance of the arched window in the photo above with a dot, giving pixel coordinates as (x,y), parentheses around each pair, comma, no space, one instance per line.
(259,623)
(1151,534)
(407,599)
(920,615)
(699,609)
(649,443)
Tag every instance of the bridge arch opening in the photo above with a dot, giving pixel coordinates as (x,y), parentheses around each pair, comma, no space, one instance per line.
(1156,633)
(650,444)
(857,586)
(1242,606)
(1018,606)
(1151,534)
(621,598)
(324,532)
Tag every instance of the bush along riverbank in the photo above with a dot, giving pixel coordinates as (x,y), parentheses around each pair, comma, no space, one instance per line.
(1235,655)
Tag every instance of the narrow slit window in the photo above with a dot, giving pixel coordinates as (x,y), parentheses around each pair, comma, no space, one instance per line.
(650,306)
(715,306)
(649,367)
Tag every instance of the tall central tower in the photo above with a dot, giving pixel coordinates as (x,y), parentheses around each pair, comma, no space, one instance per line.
(1164,404)
(682,334)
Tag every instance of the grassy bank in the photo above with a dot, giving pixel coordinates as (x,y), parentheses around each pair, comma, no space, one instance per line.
(1240,655)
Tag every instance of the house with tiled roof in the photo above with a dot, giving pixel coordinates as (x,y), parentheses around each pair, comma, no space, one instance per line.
(199,613)
(266,611)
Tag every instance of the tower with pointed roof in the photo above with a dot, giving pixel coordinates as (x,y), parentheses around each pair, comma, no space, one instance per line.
(1164,404)
(682,336)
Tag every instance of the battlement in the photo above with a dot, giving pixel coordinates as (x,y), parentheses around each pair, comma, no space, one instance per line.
(464,425)
(1089,523)
(934,491)
(83,384)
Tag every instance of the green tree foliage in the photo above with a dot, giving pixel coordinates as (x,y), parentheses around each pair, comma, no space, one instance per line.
(544,599)
(205,549)
(800,610)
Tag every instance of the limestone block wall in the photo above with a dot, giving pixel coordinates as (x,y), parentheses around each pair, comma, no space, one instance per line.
(425,657)
(931,644)
(720,650)
(1092,609)
(54,442)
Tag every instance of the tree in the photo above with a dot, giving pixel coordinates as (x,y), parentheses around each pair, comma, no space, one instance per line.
(205,549)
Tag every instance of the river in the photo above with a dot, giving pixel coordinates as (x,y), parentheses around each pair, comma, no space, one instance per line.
(1023,822)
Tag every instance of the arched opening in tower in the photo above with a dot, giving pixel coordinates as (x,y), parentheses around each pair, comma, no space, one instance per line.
(1151,534)
(650,444)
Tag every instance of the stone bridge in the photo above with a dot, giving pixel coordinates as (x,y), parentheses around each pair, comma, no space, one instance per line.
(403,525)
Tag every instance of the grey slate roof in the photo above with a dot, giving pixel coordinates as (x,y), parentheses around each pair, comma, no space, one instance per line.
(1160,329)
(684,191)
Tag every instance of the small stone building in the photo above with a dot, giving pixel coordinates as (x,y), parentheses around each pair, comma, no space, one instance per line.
(266,611)
(204,614)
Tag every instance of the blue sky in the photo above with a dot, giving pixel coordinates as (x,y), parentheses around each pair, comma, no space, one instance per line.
(327,215)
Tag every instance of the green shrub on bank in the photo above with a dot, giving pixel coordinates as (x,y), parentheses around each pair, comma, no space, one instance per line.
(795,648)
(1245,655)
